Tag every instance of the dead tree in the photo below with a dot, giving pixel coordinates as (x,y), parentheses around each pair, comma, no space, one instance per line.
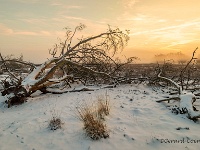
(181,76)
(185,98)
(69,63)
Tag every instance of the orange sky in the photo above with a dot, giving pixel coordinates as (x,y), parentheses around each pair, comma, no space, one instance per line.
(32,27)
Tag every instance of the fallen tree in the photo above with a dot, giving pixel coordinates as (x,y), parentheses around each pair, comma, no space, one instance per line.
(86,61)
(185,98)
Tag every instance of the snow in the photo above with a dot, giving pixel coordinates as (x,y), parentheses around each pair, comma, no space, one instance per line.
(136,121)
(31,78)
(186,102)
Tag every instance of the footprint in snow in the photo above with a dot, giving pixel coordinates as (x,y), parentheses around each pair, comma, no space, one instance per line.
(136,111)
(128,137)
(180,128)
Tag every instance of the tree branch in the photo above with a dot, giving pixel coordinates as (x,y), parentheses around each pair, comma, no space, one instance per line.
(12,75)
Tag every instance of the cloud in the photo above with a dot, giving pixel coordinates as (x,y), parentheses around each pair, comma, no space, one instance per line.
(188,24)
(138,17)
(74,18)
(55,4)
(32,33)
(182,42)
(173,27)
(164,35)
(5,30)
(25,33)
(37,21)
(45,33)
(64,5)
(129,3)
(28,2)
(73,6)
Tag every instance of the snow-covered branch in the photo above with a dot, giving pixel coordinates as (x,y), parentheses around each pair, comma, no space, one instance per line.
(170,81)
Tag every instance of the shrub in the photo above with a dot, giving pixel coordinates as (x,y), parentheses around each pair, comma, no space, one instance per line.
(103,108)
(55,122)
(93,125)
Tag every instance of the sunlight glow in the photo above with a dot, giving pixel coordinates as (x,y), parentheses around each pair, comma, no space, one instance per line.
(32,27)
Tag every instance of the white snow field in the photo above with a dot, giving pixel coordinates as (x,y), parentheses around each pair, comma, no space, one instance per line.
(136,122)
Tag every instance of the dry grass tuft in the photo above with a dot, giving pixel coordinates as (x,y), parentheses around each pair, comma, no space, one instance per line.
(93,125)
(55,122)
(103,108)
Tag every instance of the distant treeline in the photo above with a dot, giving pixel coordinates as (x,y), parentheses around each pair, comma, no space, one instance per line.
(177,57)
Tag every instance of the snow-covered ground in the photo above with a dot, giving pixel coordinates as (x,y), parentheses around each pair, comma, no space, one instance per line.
(136,122)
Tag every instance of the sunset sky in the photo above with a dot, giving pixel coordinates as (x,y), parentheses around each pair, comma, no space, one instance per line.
(31,27)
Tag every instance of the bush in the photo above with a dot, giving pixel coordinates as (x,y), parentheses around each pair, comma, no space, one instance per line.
(55,122)
(103,107)
(92,119)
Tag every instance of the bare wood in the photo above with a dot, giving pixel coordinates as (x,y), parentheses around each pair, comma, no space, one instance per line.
(4,63)
(168,99)
(170,81)
(183,70)
(22,62)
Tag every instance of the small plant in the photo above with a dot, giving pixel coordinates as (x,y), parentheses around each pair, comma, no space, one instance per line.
(103,107)
(93,125)
(55,122)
